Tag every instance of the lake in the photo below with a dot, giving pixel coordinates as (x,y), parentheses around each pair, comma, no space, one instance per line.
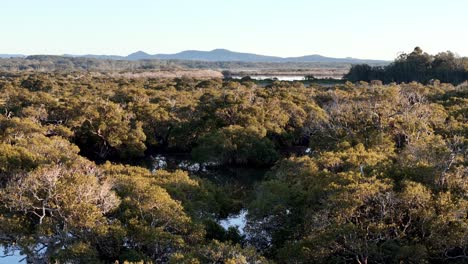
(279,78)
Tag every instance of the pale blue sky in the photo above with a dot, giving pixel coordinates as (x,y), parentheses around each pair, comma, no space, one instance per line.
(338,28)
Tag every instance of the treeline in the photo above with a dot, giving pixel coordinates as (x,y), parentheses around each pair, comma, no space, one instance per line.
(417,66)
(46,63)
(357,173)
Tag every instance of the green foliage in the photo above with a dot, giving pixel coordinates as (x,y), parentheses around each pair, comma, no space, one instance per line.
(236,145)
(218,252)
(416,66)
(357,173)
(107,128)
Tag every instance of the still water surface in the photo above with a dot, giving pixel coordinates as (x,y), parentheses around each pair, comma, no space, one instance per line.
(279,78)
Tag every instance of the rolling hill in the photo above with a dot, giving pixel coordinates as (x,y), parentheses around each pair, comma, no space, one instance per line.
(227,55)
(220,55)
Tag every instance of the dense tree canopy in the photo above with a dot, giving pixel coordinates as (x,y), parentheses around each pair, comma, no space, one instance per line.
(357,173)
(416,66)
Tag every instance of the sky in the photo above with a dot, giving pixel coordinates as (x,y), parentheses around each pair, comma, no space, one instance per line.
(368,29)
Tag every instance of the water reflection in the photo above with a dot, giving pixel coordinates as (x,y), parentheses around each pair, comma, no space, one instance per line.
(11,256)
(239,221)
(279,78)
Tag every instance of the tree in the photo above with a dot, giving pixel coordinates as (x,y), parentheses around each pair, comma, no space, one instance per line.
(108,130)
(359,72)
(236,145)
(416,66)
(55,207)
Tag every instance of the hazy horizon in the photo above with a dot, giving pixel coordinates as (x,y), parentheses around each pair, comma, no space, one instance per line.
(360,29)
(160,53)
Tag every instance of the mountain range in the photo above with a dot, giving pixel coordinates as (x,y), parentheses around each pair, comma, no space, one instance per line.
(7,56)
(220,55)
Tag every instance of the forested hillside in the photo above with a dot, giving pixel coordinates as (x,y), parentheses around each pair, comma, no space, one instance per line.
(355,173)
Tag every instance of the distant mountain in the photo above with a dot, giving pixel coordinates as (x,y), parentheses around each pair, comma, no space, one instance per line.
(7,56)
(139,55)
(220,55)
(320,58)
(227,55)
(217,55)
